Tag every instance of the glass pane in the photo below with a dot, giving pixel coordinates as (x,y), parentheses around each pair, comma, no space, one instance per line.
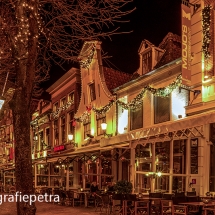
(179,157)
(162,183)
(162,152)
(142,183)
(178,184)
(161,109)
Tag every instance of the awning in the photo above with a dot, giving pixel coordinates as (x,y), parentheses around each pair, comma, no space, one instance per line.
(191,123)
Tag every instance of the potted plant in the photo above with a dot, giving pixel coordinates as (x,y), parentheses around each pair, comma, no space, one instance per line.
(122,189)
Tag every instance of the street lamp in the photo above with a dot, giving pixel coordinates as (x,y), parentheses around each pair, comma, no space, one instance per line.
(104,127)
(2,100)
(70,138)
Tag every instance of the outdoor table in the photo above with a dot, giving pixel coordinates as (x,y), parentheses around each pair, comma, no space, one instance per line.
(199,204)
(85,197)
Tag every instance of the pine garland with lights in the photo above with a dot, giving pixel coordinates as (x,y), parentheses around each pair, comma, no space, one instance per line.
(206,19)
(136,102)
(85,64)
(103,109)
(56,113)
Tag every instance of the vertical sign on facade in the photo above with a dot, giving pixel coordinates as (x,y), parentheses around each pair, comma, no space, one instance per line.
(186,42)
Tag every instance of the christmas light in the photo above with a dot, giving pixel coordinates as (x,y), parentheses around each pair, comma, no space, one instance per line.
(206,20)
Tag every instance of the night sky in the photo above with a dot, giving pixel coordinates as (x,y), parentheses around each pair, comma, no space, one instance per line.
(151,20)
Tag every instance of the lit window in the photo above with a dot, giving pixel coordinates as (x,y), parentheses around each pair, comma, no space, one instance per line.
(70,126)
(100,118)
(63,102)
(41,140)
(87,127)
(63,129)
(92,91)
(56,133)
(47,140)
(55,106)
(71,97)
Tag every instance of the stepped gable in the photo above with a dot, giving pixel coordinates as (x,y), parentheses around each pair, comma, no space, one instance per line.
(172,46)
(115,78)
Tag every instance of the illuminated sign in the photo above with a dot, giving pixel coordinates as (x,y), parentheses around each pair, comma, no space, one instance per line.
(59,148)
(186,43)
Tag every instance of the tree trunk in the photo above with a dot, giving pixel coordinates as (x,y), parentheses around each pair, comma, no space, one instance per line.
(26,55)
(23,161)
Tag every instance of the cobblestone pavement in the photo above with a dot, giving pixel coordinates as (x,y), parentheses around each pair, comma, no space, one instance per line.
(8,208)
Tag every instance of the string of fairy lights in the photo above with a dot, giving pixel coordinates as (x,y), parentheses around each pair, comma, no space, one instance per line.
(206,22)
(132,105)
(160,92)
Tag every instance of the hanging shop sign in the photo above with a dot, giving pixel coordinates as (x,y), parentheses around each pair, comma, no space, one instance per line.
(59,148)
(186,43)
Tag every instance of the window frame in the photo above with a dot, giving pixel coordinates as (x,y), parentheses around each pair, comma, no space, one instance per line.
(132,112)
(92,91)
(157,119)
(100,118)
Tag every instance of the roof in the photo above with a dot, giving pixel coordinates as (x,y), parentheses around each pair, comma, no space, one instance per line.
(172,46)
(115,78)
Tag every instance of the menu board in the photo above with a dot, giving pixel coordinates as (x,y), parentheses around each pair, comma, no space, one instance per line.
(194,156)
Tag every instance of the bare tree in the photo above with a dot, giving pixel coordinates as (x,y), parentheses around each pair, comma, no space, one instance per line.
(33,34)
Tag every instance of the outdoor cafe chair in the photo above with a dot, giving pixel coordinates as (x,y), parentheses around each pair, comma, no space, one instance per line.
(166,207)
(155,206)
(208,209)
(177,208)
(105,204)
(141,207)
(61,194)
(192,209)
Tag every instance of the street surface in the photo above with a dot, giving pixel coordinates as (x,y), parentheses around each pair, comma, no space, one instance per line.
(8,208)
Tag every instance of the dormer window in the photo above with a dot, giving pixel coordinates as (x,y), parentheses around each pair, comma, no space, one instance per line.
(147,62)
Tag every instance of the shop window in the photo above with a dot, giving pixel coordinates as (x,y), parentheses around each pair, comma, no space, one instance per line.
(194,156)
(179,157)
(179,183)
(162,152)
(136,117)
(161,109)
(100,118)
(63,129)
(92,91)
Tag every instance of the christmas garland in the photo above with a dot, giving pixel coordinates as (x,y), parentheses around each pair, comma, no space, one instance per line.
(85,64)
(133,104)
(206,19)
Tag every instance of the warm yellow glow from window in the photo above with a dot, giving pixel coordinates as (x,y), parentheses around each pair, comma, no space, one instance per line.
(92,131)
(104,126)
(178,104)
